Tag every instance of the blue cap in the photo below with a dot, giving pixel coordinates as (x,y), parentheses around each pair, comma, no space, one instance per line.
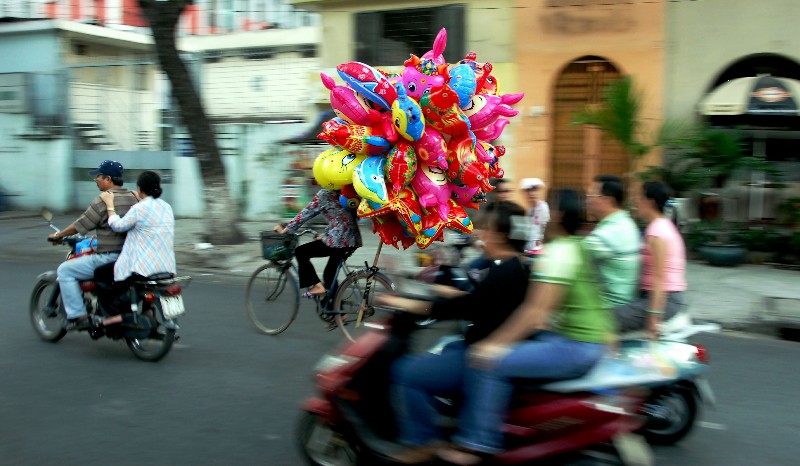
(108,168)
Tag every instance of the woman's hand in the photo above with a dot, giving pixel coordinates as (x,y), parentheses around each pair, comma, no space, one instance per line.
(279,229)
(411,306)
(485,355)
(108,198)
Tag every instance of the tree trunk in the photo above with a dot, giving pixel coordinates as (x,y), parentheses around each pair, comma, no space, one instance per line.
(220,215)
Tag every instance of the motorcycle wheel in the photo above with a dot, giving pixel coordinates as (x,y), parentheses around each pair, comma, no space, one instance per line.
(670,413)
(47,324)
(156,345)
(321,445)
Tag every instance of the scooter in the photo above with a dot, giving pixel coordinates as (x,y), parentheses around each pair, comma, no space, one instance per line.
(350,420)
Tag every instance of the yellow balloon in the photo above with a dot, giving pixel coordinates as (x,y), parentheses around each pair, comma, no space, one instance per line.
(334,167)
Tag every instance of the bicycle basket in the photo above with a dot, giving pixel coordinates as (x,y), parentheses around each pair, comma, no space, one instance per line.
(278,247)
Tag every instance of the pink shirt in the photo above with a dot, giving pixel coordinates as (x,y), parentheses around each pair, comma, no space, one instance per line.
(674,260)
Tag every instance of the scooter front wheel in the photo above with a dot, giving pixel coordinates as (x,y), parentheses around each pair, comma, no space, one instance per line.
(321,445)
(47,321)
(670,413)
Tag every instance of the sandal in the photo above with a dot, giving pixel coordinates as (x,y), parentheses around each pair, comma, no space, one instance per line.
(460,456)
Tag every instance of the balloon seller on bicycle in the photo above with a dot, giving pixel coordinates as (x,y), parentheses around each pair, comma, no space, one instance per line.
(340,238)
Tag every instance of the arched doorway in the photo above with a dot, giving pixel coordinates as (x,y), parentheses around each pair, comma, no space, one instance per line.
(579,153)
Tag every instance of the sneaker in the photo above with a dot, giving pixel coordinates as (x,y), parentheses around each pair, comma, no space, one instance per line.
(78,323)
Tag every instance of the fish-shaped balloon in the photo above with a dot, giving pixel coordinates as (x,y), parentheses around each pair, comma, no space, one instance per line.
(431,148)
(368,180)
(348,104)
(360,140)
(463,82)
(401,165)
(368,82)
(407,116)
(334,167)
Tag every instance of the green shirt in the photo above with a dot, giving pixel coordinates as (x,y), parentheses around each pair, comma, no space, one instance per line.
(581,315)
(615,247)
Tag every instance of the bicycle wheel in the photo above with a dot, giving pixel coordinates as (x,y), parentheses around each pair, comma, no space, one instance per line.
(272,298)
(349,299)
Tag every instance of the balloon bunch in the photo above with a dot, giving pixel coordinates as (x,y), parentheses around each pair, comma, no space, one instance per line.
(412,150)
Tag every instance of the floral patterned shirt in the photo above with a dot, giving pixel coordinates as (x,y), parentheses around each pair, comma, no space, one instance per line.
(342,230)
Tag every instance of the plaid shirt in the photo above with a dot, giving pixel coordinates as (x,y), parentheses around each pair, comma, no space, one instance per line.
(151,234)
(96,218)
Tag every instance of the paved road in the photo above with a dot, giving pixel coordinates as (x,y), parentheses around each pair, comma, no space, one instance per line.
(227,395)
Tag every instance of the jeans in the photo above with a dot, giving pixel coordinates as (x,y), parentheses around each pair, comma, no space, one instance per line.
(415,381)
(487,392)
(634,315)
(78,269)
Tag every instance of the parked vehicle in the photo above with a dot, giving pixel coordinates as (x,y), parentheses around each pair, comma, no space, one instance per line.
(350,422)
(143,315)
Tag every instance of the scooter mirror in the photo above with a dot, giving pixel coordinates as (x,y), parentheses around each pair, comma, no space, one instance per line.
(45,212)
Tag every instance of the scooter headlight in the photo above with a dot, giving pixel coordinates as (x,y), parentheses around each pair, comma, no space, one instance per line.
(331,362)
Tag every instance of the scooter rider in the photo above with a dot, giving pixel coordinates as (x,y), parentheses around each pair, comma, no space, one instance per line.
(108,176)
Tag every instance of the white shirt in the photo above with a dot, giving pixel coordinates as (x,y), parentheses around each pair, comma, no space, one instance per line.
(538,216)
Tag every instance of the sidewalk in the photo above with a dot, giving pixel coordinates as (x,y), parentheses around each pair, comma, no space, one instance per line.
(736,298)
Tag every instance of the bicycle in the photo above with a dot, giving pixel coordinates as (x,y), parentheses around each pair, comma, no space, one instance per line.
(347,304)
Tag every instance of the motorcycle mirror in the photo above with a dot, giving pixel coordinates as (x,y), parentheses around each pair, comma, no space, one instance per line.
(45,212)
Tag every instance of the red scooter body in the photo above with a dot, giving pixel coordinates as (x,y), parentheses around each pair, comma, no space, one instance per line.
(540,424)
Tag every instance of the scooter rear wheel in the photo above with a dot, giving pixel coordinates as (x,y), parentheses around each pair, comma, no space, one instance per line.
(321,445)
(157,344)
(46,322)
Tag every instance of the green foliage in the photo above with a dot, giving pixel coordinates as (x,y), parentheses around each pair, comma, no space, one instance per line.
(759,239)
(790,209)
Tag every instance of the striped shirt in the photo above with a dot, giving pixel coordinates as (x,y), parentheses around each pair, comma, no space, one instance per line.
(151,234)
(96,218)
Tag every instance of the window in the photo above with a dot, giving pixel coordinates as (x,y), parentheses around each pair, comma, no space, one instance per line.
(390,37)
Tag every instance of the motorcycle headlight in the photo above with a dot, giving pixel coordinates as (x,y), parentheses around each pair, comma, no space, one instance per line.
(331,362)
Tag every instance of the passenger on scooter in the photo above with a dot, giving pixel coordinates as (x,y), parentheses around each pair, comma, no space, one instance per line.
(340,238)
(614,243)
(150,224)
(108,177)
(478,266)
(560,331)
(416,379)
(663,278)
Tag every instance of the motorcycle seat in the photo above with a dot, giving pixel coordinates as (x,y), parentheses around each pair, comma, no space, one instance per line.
(156,276)
(678,322)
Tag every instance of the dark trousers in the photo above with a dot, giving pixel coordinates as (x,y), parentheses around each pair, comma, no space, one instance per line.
(307,275)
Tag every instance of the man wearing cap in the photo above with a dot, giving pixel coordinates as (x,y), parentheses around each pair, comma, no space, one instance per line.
(538,214)
(108,177)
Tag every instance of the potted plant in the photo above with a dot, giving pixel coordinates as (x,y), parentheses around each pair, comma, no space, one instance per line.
(790,210)
(722,247)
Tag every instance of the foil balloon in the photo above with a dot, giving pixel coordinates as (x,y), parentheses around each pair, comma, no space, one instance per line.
(360,140)
(432,229)
(392,232)
(463,81)
(401,165)
(407,116)
(485,109)
(440,107)
(420,74)
(403,206)
(439,44)
(369,182)
(332,124)
(430,184)
(464,195)
(334,168)
(493,131)
(485,82)
(431,148)
(490,155)
(348,197)
(349,105)
(368,82)
(470,173)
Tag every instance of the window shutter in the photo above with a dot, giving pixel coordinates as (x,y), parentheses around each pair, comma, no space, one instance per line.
(452,18)
(368,32)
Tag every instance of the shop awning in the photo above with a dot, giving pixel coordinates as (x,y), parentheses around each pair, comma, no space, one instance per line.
(759,95)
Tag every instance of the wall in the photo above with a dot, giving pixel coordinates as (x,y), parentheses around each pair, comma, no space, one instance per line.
(728,31)
(553,33)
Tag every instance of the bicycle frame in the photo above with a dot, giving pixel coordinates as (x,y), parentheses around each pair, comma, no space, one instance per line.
(367,289)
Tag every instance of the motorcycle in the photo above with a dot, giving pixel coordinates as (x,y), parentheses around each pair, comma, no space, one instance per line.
(144,315)
(674,403)
(350,420)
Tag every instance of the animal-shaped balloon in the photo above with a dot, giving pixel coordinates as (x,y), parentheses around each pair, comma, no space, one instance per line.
(401,165)
(348,197)
(420,74)
(392,232)
(369,181)
(431,148)
(485,109)
(490,155)
(348,104)
(485,82)
(407,116)
(440,107)
(463,81)
(469,172)
(403,205)
(360,140)
(334,168)
(439,44)
(332,124)
(430,184)
(493,131)
(464,195)
(368,82)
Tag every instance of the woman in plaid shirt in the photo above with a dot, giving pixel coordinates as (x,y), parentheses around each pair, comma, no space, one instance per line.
(340,238)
